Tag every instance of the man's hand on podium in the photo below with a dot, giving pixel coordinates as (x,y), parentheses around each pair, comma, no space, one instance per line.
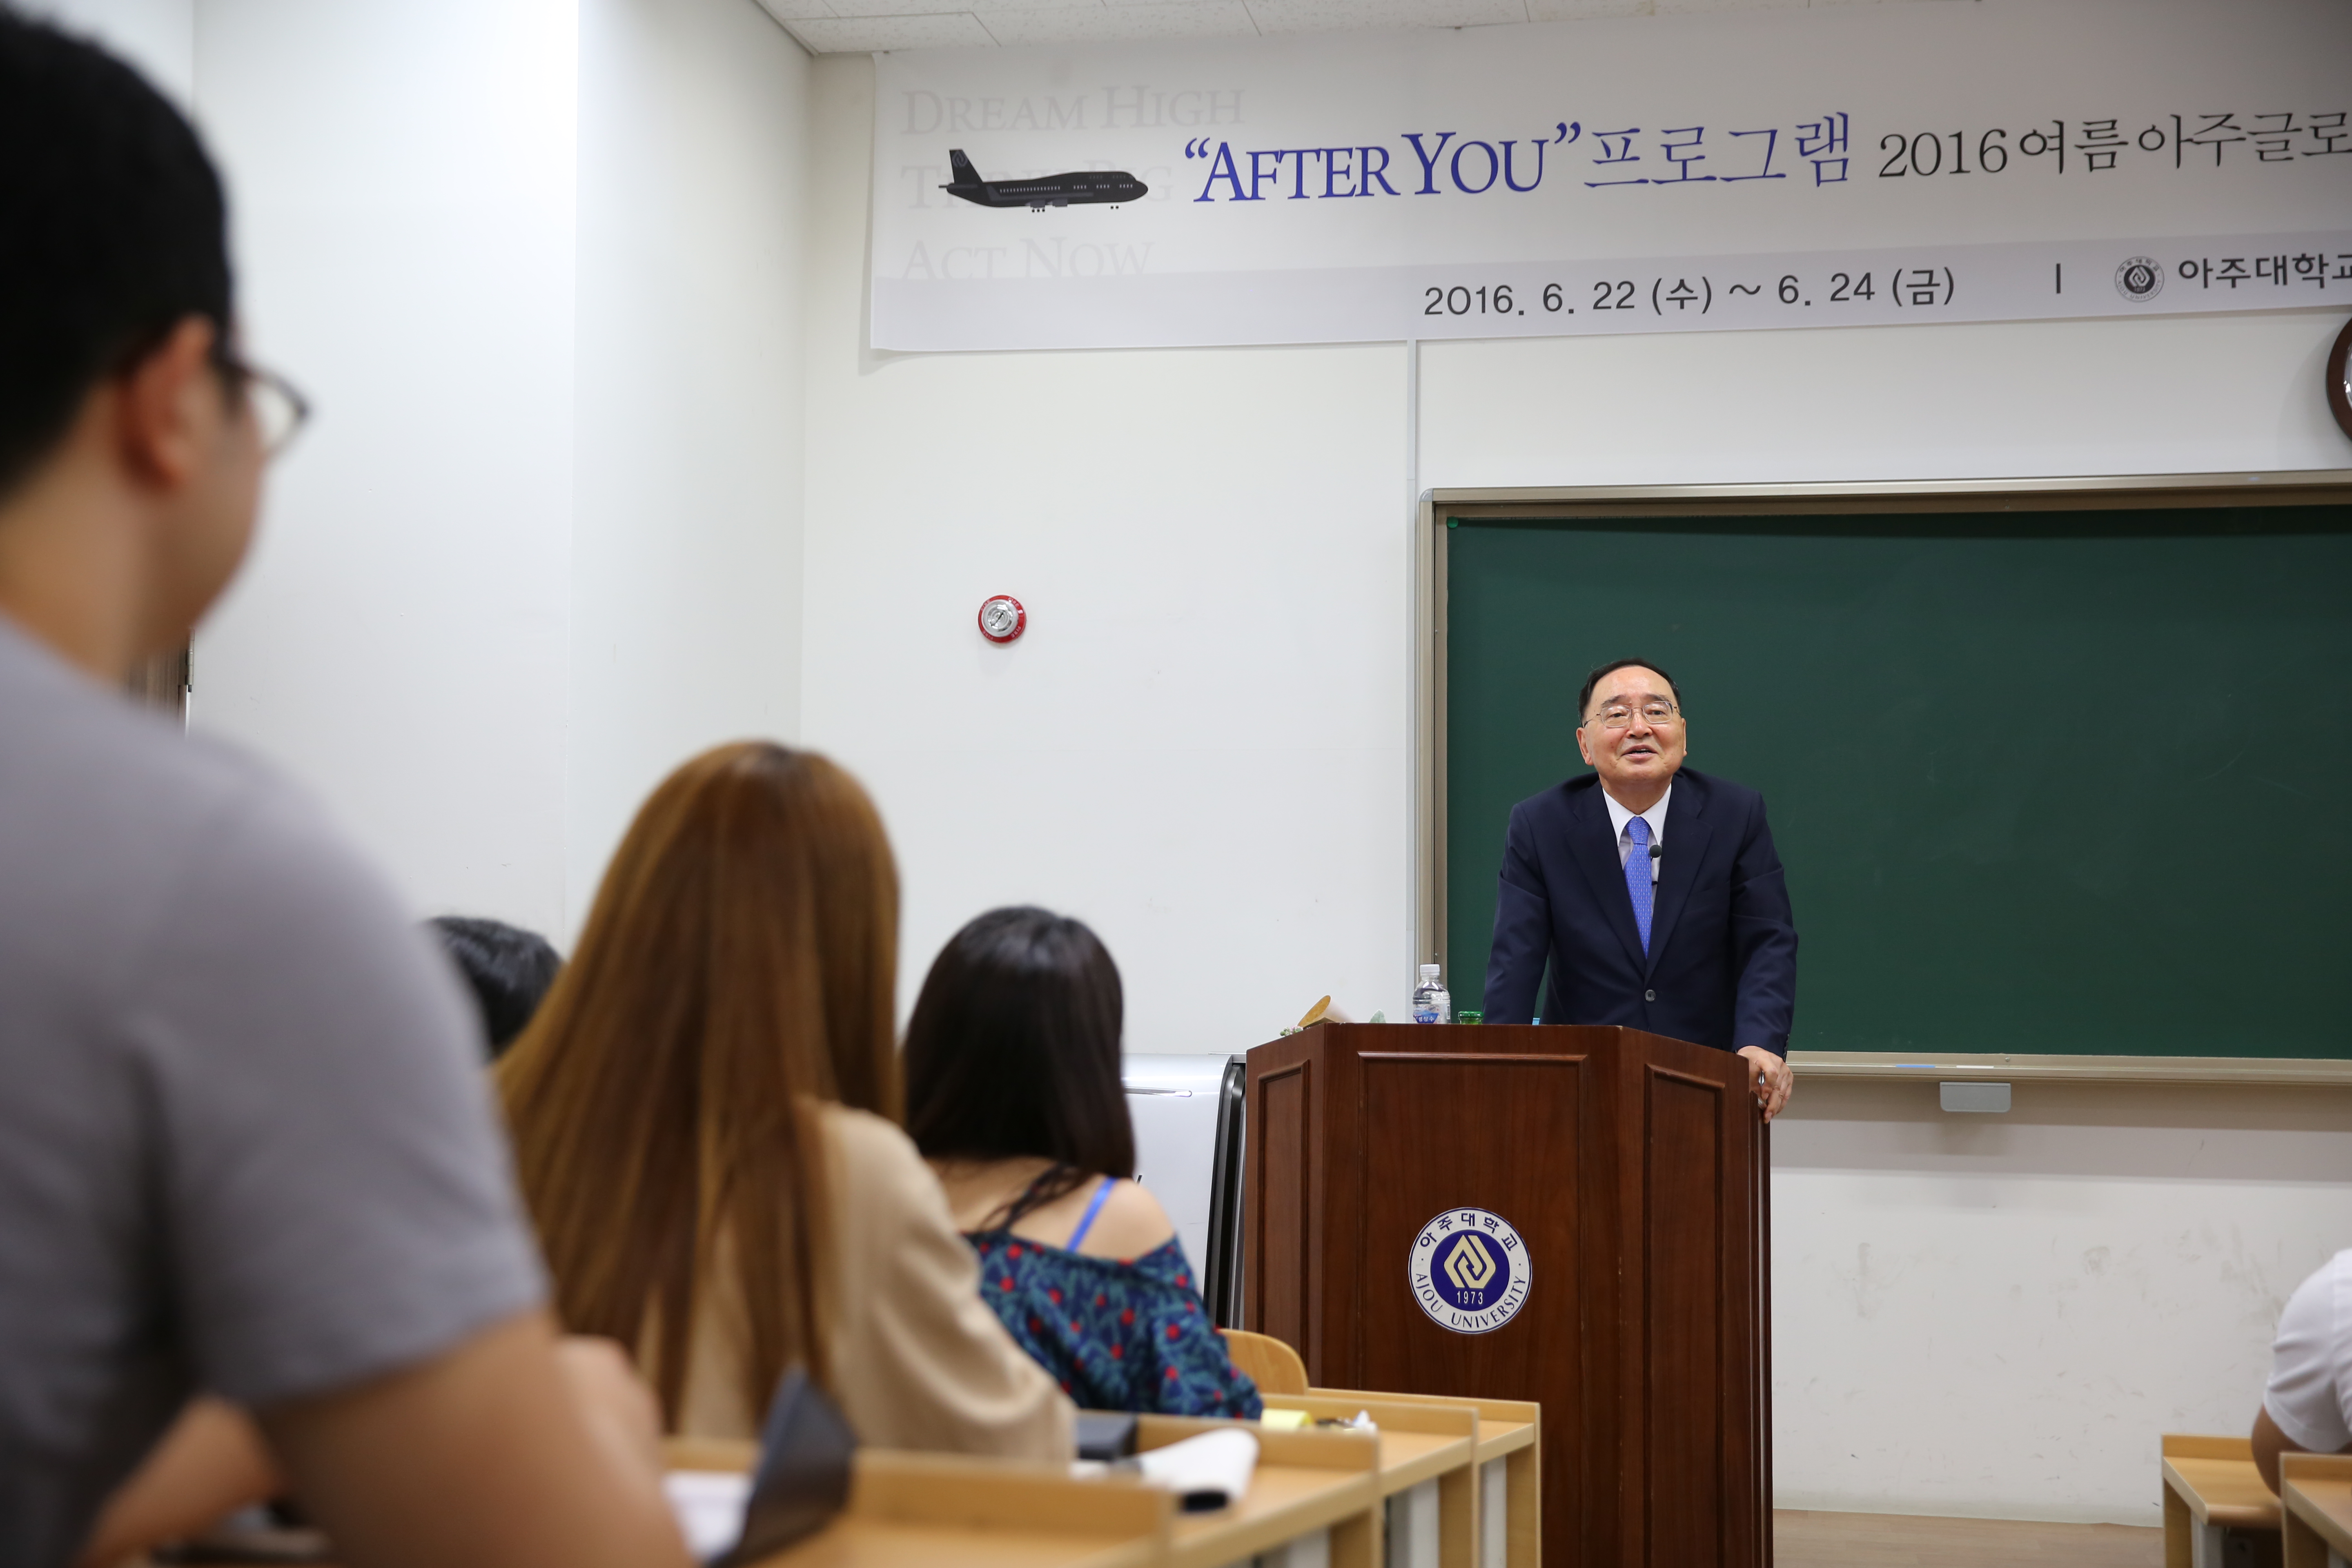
(1771,1077)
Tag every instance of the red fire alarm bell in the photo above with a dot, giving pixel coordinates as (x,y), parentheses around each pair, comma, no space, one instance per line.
(1001,618)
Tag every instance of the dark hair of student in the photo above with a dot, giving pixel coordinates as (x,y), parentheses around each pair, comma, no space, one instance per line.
(1584,698)
(1014,1051)
(112,231)
(508,968)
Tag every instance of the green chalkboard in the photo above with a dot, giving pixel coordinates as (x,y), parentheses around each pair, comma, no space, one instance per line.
(2067,782)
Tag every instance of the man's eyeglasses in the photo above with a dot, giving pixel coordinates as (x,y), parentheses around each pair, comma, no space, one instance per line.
(1618,715)
(280,409)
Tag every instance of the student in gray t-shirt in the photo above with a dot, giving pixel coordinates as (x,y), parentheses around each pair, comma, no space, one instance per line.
(245,1146)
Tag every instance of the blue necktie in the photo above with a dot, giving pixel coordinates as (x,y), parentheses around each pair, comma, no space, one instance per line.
(1637,876)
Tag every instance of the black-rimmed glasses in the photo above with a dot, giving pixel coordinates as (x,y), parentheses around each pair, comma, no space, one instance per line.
(1618,716)
(280,409)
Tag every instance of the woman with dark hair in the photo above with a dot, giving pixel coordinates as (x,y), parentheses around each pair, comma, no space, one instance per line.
(1013,1095)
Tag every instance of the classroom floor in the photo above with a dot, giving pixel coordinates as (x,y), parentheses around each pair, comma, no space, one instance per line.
(1803,1539)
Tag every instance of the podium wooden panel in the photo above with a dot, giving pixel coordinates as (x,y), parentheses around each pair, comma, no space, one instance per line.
(1635,1170)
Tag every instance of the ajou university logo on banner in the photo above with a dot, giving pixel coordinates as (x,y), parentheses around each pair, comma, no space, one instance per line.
(1469,1270)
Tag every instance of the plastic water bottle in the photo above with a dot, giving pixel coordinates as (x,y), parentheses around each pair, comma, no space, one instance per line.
(1430,1002)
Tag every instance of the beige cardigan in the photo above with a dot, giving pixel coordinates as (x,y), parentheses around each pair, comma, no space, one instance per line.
(918,1360)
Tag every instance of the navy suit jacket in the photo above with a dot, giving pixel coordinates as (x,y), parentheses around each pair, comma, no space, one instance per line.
(1721,970)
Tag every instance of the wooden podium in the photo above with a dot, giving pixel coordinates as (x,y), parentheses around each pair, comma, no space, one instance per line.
(1617,1181)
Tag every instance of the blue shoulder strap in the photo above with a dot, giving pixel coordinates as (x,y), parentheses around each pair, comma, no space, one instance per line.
(1087,1222)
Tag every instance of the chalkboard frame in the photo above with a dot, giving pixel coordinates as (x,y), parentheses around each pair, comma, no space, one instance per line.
(1632,503)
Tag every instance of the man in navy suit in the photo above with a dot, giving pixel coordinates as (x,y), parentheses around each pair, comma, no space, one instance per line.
(1652,888)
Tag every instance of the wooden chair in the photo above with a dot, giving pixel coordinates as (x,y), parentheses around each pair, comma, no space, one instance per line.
(1274,1366)
(2211,1485)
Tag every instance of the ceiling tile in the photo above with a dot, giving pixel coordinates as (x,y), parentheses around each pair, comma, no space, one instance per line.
(989,7)
(922,7)
(859,34)
(1332,15)
(1201,20)
(1572,10)
(830,27)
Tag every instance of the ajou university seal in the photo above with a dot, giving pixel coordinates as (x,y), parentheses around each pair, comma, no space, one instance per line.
(1469,1270)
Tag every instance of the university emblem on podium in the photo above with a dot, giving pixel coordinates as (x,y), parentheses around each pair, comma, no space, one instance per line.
(1470,1271)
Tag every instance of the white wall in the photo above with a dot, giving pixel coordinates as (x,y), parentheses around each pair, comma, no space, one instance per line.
(1202,746)
(2157,394)
(1999,1315)
(538,262)
(401,181)
(686,537)
(159,37)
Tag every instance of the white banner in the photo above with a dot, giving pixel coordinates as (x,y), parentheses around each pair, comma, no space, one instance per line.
(2000,160)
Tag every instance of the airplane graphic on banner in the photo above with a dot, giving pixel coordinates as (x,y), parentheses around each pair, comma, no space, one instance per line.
(1087,186)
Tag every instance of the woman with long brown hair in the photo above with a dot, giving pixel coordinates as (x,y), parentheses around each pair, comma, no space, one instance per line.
(704,1116)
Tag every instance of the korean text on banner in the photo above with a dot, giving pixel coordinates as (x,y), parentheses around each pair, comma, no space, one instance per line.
(1931,162)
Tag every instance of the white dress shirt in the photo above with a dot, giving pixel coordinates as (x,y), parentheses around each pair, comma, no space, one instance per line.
(1655,816)
(2310,1392)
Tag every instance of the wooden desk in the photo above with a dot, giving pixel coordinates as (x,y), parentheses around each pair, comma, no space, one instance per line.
(920,1510)
(909,1509)
(2317,1493)
(2210,1485)
(1510,1493)
(1306,1482)
(851,1542)
(1504,1426)
(1428,1457)
(728,1454)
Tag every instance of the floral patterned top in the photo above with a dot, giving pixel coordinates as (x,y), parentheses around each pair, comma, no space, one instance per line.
(1119,1333)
